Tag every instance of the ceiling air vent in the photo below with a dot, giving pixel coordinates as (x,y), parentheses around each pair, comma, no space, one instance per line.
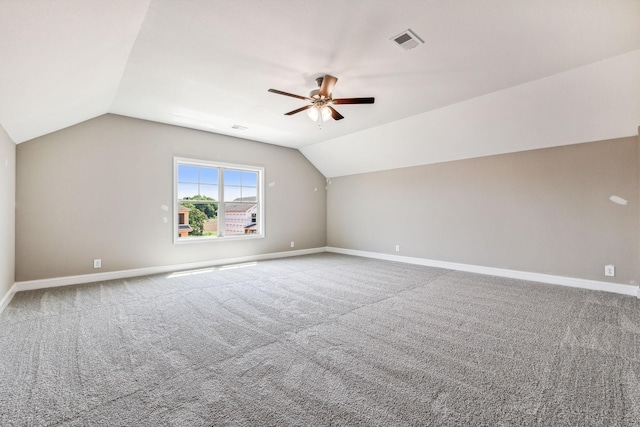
(407,40)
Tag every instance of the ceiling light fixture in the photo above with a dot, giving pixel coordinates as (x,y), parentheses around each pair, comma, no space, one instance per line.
(321,101)
(320,107)
(318,111)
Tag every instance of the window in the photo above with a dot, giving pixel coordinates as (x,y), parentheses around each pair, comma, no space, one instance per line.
(217,201)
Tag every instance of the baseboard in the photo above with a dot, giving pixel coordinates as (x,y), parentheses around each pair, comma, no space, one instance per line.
(500,272)
(122,274)
(492,271)
(6,299)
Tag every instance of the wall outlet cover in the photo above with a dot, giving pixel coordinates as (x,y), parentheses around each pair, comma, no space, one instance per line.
(609,270)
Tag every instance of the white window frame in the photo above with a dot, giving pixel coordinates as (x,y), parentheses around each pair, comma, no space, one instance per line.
(221,167)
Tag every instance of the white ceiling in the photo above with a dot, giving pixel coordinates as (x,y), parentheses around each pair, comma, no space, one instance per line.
(208,64)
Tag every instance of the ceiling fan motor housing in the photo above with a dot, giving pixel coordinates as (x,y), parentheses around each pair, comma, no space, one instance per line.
(315,94)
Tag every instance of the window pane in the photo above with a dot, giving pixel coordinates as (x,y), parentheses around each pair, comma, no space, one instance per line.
(240,218)
(187,190)
(232,177)
(249,193)
(249,179)
(187,173)
(232,193)
(208,209)
(210,227)
(184,227)
(208,176)
(209,191)
(198,207)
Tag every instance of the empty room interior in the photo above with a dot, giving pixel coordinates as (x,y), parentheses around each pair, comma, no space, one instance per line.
(319,213)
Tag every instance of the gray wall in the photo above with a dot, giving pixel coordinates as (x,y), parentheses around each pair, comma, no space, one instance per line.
(96,190)
(7,212)
(544,211)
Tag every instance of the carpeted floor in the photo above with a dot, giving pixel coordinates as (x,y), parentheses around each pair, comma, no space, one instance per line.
(320,340)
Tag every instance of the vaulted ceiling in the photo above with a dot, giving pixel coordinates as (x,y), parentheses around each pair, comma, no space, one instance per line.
(492,76)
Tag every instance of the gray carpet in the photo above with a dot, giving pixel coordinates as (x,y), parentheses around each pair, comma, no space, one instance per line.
(320,340)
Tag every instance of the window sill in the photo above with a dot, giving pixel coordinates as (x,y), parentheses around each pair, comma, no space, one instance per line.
(208,239)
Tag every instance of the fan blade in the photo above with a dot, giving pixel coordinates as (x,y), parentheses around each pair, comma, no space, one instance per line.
(328,82)
(354,101)
(298,110)
(335,114)
(279,92)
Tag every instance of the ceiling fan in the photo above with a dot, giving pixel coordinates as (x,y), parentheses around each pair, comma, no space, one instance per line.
(322,101)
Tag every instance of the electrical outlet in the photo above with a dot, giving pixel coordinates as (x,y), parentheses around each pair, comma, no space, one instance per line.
(397,248)
(97,263)
(610,270)
(293,244)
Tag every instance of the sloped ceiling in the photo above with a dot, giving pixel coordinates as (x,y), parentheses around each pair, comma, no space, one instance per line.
(208,64)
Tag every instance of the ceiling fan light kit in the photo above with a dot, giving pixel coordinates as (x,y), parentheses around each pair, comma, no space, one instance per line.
(321,100)
(318,112)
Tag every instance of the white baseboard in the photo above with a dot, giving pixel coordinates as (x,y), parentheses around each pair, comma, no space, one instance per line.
(121,274)
(513,274)
(6,299)
(617,288)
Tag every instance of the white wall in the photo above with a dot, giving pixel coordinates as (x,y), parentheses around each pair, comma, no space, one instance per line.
(97,190)
(591,103)
(7,214)
(544,211)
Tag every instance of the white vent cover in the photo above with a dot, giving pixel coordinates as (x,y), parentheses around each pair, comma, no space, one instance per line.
(407,40)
